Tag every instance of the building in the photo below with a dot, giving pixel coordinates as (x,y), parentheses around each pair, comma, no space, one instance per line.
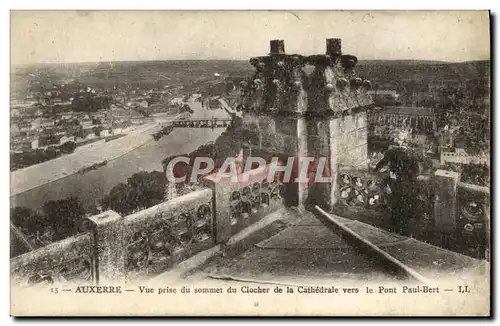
(66,139)
(104,133)
(34,144)
(388,121)
(14,129)
(90,136)
(275,124)
(40,122)
(14,113)
(86,121)
(460,156)
(384,97)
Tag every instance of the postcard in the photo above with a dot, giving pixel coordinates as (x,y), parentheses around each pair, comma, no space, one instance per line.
(250,163)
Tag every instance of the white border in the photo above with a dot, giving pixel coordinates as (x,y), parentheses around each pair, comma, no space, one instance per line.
(185,4)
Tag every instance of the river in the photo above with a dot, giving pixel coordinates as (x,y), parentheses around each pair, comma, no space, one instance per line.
(92,186)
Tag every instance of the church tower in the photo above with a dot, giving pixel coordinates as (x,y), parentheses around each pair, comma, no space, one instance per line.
(307,107)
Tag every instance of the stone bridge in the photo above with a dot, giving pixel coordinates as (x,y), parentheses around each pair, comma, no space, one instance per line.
(202,123)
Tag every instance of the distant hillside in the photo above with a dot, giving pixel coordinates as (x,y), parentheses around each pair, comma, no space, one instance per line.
(423,71)
(149,74)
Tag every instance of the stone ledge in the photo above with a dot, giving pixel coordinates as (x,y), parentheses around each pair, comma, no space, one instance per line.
(186,266)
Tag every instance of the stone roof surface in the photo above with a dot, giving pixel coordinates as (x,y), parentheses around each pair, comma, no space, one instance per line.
(298,249)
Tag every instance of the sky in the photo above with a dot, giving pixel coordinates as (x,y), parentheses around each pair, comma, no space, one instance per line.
(92,36)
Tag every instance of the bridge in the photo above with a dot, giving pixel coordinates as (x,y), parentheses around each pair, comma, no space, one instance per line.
(192,123)
(203,123)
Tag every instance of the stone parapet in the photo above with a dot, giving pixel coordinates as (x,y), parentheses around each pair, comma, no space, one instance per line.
(68,260)
(158,237)
(107,230)
(241,203)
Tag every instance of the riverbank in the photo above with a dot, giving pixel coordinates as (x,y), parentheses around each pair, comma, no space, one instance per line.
(37,175)
(90,187)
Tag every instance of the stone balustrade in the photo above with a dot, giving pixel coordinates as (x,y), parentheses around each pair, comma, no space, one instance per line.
(473,223)
(118,249)
(71,259)
(447,212)
(243,202)
(474,204)
(152,241)
(360,194)
(144,244)
(160,236)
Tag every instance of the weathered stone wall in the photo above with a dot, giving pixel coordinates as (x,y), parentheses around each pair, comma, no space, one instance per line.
(342,140)
(153,240)
(271,134)
(160,236)
(71,259)
(307,106)
(107,233)
(242,203)
(473,222)
(353,140)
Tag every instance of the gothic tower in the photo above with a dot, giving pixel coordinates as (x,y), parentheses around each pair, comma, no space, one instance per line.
(307,107)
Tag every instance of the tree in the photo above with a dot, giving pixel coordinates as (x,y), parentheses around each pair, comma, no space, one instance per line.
(186,108)
(147,189)
(28,220)
(119,199)
(65,216)
(142,190)
(92,210)
(68,147)
(404,168)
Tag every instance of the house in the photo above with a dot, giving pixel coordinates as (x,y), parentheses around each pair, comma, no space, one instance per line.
(66,139)
(41,123)
(88,128)
(104,133)
(14,113)
(382,97)
(90,136)
(34,144)
(122,124)
(137,120)
(86,123)
(14,129)
(48,139)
